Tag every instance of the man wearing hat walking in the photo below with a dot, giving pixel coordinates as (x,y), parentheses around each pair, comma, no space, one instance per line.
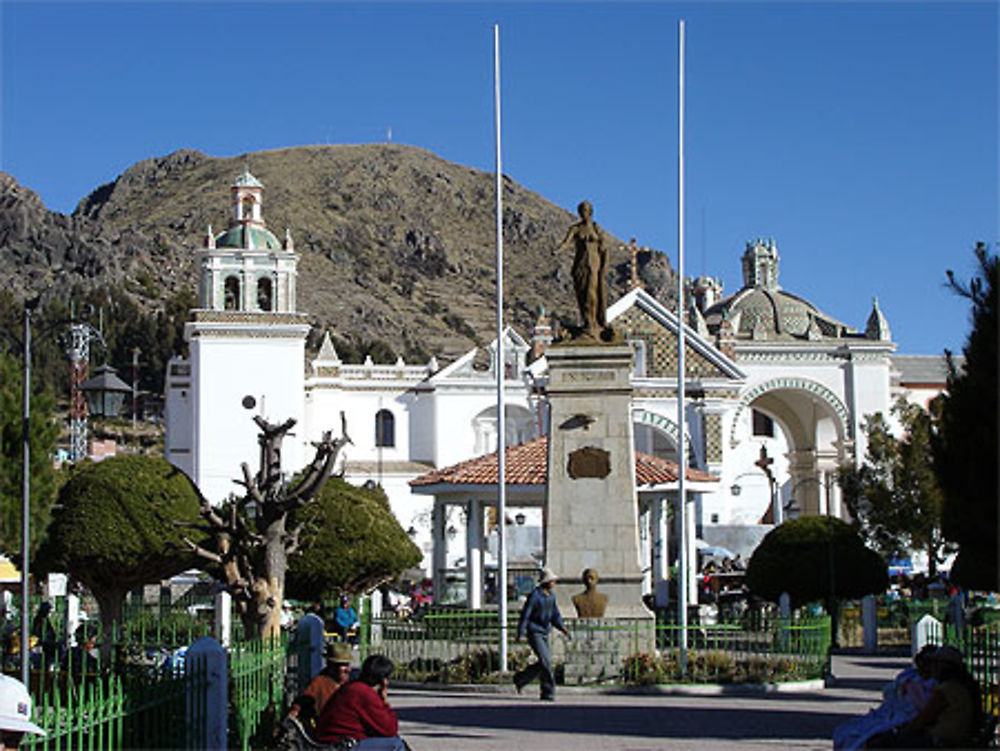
(539,614)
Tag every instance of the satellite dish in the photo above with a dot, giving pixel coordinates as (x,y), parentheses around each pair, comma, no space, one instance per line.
(249,402)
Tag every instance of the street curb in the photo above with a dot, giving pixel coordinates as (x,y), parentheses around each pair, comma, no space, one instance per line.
(672,689)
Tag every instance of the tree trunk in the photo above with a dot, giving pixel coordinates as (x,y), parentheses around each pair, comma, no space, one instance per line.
(110,603)
(932,560)
(268,588)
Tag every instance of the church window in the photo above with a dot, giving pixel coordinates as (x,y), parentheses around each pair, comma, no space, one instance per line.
(385,428)
(265,297)
(232,293)
(762,425)
(248,208)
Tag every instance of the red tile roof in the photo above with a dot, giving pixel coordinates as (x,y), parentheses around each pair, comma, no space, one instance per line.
(527,464)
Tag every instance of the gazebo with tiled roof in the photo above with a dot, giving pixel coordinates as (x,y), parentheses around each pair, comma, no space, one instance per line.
(473,485)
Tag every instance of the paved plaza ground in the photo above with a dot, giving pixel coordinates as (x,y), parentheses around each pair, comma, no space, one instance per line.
(584,720)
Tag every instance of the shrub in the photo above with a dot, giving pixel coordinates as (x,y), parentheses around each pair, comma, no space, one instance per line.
(814,558)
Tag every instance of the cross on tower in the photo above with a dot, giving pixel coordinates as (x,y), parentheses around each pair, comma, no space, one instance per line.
(634,249)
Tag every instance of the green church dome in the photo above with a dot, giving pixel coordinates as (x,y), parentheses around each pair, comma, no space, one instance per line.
(248,237)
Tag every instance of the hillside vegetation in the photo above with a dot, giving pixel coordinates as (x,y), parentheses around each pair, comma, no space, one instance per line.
(396,244)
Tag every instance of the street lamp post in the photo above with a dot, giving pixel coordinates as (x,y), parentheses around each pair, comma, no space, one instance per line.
(26,492)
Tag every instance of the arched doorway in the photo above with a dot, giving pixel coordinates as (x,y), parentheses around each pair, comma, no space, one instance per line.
(815,429)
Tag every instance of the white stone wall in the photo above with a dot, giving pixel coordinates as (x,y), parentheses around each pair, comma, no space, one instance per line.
(224,370)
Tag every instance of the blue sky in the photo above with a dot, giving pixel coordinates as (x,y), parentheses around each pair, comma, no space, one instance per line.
(863,137)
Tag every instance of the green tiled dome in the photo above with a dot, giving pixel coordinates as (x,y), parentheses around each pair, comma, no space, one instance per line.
(247,237)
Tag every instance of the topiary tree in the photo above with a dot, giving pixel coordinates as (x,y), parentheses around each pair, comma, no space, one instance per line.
(815,558)
(353,543)
(113,528)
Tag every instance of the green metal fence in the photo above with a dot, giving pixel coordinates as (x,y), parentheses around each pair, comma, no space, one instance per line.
(97,712)
(455,646)
(257,680)
(447,646)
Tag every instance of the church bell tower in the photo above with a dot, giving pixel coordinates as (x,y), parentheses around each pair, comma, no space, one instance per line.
(247,349)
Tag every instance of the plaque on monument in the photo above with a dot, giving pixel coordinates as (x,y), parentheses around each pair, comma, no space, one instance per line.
(589,461)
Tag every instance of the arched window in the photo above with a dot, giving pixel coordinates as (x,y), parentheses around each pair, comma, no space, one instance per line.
(385,428)
(520,426)
(265,300)
(247,212)
(232,293)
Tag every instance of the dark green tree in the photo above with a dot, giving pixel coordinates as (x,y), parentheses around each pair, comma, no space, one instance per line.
(114,528)
(352,543)
(894,497)
(43,431)
(965,447)
(815,558)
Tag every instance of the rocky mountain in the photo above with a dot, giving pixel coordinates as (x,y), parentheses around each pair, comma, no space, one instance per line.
(396,244)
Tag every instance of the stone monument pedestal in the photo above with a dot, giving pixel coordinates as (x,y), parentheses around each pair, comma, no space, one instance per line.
(591,510)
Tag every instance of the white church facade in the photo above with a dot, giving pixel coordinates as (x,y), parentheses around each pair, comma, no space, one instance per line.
(777,395)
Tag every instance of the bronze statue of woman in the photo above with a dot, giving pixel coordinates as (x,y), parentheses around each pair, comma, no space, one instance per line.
(590,263)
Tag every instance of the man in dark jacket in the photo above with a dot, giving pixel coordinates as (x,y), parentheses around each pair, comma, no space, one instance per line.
(539,614)
(360,711)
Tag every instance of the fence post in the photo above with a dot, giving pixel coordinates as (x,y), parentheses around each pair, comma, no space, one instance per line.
(309,645)
(784,620)
(926,631)
(224,617)
(869,622)
(208,696)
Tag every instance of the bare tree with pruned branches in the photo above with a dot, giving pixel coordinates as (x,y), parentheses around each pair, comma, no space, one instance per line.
(252,542)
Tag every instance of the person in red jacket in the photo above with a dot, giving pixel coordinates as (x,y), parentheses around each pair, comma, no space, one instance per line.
(361,711)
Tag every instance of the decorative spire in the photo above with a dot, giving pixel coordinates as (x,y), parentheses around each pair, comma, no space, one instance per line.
(760,264)
(695,319)
(289,244)
(541,335)
(327,352)
(209,238)
(877,327)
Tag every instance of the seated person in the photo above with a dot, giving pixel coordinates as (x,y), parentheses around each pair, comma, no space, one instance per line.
(952,715)
(310,703)
(360,710)
(345,620)
(903,699)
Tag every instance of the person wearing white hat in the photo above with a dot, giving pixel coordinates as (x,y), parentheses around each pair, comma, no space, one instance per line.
(15,713)
(538,615)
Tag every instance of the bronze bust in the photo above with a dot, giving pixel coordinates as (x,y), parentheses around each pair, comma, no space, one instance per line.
(590,603)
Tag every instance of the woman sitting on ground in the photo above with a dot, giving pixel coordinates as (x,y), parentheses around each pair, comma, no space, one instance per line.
(953,713)
(903,699)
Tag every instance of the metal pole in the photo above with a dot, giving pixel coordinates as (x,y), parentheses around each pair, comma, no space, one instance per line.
(26,496)
(135,386)
(685,562)
(501,422)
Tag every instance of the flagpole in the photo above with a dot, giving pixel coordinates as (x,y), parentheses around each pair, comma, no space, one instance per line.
(685,562)
(501,421)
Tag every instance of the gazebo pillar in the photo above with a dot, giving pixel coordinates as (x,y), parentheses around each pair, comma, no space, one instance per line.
(439,552)
(474,554)
(661,551)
